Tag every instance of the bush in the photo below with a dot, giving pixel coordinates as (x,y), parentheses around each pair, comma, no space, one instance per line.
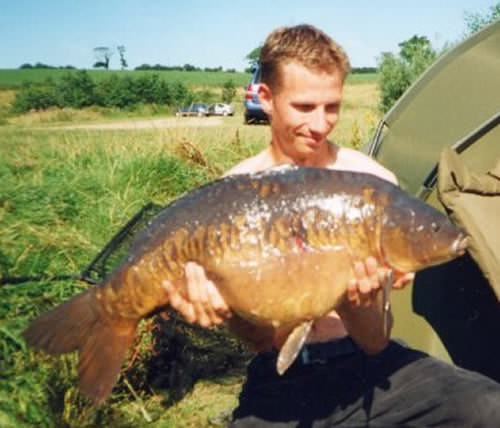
(181,94)
(116,92)
(153,90)
(32,97)
(78,90)
(206,96)
(75,90)
(228,91)
(398,72)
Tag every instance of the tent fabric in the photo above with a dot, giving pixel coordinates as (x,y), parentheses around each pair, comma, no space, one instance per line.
(455,97)
(473,202)
(454,104)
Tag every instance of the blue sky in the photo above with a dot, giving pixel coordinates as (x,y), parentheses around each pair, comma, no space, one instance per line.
(214,33)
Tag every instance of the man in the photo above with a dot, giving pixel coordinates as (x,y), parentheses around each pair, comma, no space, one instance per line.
(350,373)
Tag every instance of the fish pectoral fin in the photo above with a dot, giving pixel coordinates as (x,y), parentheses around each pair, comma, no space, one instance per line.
(292,346)
(164,315)
(387,283)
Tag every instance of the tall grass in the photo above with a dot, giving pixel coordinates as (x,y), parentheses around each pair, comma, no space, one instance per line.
(64,193)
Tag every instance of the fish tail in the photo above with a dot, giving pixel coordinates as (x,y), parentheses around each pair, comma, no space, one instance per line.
(78,325)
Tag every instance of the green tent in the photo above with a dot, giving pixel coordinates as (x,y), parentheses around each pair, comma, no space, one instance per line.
(442,140)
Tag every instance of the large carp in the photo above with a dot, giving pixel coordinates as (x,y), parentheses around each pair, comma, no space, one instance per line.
(279,245)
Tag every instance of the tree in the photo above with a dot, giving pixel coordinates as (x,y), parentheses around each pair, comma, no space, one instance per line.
(253,58)
(121,52)
(474,21)
(102,55)
(417,46)
(398,72)
(189,67)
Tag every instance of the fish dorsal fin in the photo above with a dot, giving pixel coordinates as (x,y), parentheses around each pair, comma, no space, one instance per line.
(292,346)
(276,169)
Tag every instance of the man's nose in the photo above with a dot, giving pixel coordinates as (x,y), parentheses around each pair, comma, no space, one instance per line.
(319,122)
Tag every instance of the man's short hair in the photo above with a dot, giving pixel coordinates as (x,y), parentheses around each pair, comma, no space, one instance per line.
(304,44)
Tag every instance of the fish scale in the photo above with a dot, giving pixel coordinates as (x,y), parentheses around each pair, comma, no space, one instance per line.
(279,246)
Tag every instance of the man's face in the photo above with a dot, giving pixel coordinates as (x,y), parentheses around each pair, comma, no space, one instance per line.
(304,108)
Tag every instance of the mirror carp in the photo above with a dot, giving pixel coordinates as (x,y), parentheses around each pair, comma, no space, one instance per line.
(279,246)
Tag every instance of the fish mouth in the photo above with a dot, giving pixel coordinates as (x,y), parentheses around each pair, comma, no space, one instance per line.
(460,245)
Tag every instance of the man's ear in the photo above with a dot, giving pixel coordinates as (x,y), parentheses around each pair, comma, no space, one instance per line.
(266,98)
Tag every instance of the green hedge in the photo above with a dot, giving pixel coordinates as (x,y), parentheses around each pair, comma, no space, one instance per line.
(78,90)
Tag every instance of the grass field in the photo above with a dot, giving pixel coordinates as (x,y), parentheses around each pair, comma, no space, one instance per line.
(14,78)
(64,193)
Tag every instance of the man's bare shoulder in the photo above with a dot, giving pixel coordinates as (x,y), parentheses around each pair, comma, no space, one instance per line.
(354,160)
(253,164)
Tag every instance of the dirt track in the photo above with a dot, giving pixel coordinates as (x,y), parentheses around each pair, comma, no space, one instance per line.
(152,123)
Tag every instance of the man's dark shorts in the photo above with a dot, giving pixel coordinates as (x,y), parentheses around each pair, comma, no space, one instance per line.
(336,383)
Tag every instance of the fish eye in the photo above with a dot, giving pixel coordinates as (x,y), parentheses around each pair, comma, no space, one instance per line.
(435,227)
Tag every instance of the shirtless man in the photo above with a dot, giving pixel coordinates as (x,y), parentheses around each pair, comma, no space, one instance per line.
(303,73)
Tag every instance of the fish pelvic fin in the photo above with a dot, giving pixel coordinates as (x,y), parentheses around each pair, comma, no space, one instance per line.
(292,346)
(77,326)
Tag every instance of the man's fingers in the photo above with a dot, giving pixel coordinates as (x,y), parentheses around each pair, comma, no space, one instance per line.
(202,315)
(363,283)
(203,303)
(177,302)
(404,280)
(216,300)
(203,294)
(352,293)
(198,294)
(196,278)
(371,266)
(367,278)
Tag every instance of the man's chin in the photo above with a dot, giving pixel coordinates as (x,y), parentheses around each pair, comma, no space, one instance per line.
(312,144)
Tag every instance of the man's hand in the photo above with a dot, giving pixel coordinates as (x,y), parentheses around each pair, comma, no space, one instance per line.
(365,317)
(368,279)
(204,304)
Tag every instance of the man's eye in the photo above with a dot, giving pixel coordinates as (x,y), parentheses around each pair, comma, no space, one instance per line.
(332,108)
(304,107)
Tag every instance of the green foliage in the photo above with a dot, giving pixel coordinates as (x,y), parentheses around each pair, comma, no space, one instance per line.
(398,72)
(253,59)
(14,78)
(152,89)
(205,96)
(34,97)
(75,90)
(475,21)
(78,90)
(181,93)
(228,91)
(117,92)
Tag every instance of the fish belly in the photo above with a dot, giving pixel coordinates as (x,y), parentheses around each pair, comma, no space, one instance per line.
(285,289)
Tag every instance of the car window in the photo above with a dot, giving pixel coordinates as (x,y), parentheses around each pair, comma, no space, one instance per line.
(256,75)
